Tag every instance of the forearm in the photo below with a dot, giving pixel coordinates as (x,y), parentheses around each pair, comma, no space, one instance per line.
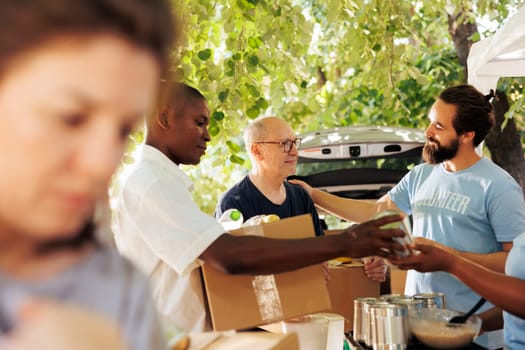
(345,208)
(501,290)
(493,261)
(258,255)
(262,255)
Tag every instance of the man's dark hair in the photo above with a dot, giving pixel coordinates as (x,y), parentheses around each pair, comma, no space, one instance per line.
(177,96)
(473,111)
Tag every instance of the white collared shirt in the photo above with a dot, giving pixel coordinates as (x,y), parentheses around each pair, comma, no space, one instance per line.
(159,227)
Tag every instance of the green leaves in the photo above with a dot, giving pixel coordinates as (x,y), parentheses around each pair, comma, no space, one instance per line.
(236,159)
(204,54)
(218,116)
(254,42)
(316,63)
(262,104)
(253,90)
(223,95)
(334,10)
(233,146)
(253,60)
(253,112)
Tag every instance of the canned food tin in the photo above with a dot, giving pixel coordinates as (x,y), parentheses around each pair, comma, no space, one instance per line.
(360,319)
(367,320)
(390,327)
(432,300)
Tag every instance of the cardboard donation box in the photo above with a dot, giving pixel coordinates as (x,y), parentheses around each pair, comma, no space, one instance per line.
(241,301)
(397,280)
(347,282)
(243,341)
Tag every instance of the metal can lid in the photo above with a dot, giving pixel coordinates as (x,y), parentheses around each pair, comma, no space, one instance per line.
(409,302)
(428,295)
(368,305)
(389,297)
(389,309)
(365,300)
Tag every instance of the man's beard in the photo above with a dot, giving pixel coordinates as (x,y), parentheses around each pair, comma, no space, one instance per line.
(436,153)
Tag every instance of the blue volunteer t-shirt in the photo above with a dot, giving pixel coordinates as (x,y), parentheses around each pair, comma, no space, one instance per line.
(247,198)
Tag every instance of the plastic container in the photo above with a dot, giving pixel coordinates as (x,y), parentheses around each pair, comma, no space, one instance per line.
(336,330)
(231,219)
(261,219)
(312,331)
(403,225)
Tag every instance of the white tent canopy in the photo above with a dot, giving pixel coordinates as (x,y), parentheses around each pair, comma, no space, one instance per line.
(500,55)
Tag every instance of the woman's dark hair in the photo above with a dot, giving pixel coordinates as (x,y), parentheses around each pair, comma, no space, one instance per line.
(474,111)
(26,24)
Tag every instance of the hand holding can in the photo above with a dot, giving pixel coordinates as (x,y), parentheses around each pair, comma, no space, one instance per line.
(403,225)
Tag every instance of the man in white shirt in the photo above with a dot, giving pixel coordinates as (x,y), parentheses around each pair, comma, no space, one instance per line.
(160,228)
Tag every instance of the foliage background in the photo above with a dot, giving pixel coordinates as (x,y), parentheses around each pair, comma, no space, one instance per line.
(321,64)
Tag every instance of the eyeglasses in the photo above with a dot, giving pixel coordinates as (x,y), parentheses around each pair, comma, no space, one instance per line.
(287,145)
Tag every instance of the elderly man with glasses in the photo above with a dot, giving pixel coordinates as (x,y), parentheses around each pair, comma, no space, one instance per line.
(273,149)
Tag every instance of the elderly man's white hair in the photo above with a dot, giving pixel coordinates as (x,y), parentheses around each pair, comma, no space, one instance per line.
(257,131)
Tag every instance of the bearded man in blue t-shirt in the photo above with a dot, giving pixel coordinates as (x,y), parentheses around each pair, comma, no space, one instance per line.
(456,198)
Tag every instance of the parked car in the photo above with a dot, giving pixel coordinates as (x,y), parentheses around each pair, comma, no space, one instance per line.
(361,162)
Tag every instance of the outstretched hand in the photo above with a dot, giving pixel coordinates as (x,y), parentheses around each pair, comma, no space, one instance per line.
(431,256)
(368,238)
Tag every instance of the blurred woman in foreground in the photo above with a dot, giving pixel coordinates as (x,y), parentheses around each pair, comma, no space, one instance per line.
(76,77)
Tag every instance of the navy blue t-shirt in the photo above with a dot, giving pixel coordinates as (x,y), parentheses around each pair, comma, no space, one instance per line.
(247,198)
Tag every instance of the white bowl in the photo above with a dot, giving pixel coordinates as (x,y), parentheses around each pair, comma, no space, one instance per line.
(431,327)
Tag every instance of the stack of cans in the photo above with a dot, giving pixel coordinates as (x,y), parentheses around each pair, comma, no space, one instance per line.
(382,323)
